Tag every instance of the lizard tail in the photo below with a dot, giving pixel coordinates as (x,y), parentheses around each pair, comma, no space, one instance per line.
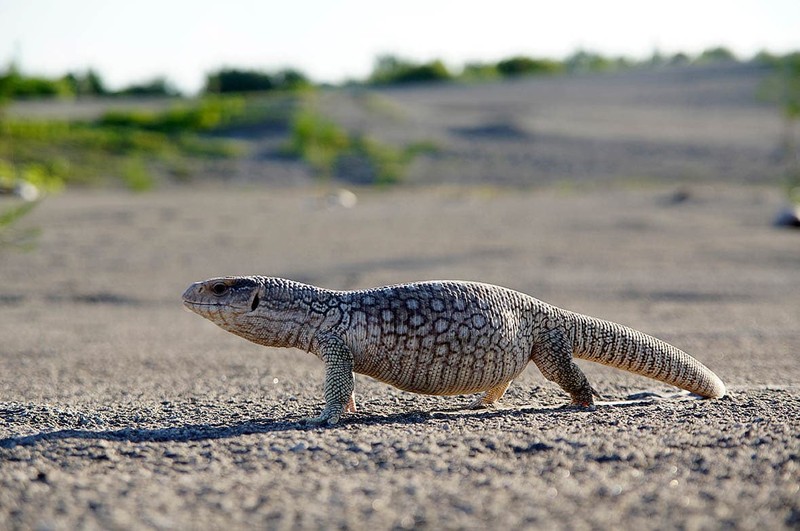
(628,349)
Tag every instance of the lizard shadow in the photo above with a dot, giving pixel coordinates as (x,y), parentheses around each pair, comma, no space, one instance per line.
(201,432)
(461,413)
(185,433)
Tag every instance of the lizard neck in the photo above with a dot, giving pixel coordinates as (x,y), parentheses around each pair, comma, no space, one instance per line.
(291,314)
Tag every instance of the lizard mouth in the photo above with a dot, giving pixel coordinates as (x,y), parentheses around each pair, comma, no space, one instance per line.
(191,305)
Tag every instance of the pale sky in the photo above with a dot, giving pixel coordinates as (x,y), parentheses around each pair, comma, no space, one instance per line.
(129,42)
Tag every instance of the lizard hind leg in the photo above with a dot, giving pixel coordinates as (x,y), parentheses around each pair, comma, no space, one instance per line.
(491,396)
(554,358)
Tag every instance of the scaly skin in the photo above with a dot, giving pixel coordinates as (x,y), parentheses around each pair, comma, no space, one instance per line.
(439,338)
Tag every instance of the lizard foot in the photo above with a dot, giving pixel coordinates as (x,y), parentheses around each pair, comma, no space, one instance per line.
(581,406)
(326,419)
(480,403)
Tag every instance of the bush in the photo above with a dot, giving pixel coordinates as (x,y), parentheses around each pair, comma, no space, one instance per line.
(206,115)
(227,81)
(156,87)
(317,140)
(716,55)
(86,84)
(13,85)
(331,151)
(479,71)
(518,66)
(390,70)
(135,148)
(583,61)
(232,81)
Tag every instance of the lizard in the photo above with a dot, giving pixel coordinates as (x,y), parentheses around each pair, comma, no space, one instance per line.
(437,337)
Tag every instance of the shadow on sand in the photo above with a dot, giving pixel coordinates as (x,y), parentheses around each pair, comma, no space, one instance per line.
(200,432)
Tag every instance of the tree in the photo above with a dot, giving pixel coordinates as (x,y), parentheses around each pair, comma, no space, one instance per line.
(716,55)
(390,69)
(156,87)
(88,83)
(230,80)
(520,65)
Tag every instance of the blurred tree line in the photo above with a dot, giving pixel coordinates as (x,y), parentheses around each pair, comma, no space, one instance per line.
(387,70)
(15,85)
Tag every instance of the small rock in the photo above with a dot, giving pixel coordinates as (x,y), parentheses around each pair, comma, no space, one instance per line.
(788,217)
(299,447)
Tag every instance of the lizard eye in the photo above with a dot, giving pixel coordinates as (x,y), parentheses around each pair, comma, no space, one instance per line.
(219,288)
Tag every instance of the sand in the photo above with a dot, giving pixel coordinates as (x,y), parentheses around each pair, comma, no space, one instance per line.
(120,410)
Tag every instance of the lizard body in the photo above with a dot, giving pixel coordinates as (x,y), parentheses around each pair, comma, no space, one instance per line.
(437,337)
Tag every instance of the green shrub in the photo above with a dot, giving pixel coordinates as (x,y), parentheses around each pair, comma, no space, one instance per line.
(583,61)
(317,140)
(136,176)
(393,70)
(235,81)
(206,115)
(331,151)
(716,55)
(88,83)
(13,85)
(517,66)
(479,71)
(158,87)
(133,147)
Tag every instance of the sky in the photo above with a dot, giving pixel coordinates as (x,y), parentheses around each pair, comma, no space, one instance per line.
(132,42)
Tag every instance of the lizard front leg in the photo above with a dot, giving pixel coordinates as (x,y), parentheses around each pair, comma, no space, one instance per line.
(339,380)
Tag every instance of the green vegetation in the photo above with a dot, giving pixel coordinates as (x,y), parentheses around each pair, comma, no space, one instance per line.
(133,148)
(158,87)
(13,85)
(232,81)
(716,55)
(87,83)
(387,70)
(140,149)
(391,70)
(11,236)
(332,151)
(525,66)
(783,88)
(477,71)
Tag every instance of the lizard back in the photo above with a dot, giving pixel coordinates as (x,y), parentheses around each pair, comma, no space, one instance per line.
(441,337)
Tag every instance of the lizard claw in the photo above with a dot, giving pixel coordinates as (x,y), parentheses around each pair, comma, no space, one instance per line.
(477,403)
(481,403)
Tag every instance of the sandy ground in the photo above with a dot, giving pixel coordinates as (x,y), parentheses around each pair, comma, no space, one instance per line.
(120,410)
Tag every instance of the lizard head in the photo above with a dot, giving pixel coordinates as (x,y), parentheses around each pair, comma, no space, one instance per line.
(269,311)
(223,300)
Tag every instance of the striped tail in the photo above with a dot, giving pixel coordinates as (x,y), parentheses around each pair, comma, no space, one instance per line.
(630,350)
